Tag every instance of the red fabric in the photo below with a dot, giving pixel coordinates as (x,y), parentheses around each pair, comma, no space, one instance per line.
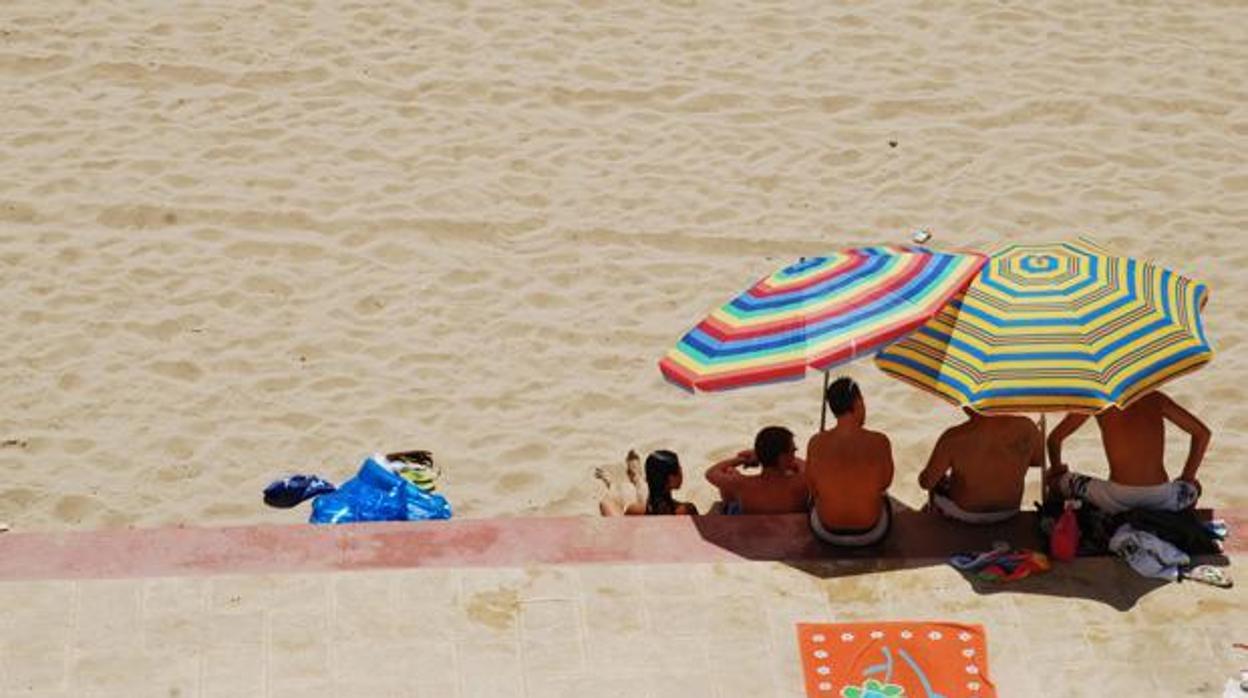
(1064,541)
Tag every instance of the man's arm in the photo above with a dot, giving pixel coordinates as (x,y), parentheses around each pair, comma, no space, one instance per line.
(1065,428)
(887,479)
(725,476)
(937,464)
(1037,446)
(1188,422)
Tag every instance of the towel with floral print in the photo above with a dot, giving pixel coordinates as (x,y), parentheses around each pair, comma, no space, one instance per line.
(895,660)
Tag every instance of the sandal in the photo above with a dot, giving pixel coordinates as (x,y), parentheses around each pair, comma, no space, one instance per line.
(416,467)
(1208,574)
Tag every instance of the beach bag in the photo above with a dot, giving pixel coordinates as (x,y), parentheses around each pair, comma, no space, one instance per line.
(1064,541)
(376,493)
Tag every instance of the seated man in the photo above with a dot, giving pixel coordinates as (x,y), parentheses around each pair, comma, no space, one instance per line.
(849,469)
(977,468)
(778,488)
(1135,444)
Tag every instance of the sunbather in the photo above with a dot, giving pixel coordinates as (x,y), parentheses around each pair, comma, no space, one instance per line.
(976,470)
(663,475)
(849,469)
(1135,445)
(778,488)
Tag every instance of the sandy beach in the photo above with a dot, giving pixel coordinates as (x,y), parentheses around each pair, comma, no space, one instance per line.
(239,241)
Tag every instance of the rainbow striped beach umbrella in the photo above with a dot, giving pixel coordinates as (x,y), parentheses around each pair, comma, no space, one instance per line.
(817,313)
(1057,327)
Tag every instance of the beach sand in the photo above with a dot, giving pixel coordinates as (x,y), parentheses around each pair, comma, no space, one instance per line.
(242,241)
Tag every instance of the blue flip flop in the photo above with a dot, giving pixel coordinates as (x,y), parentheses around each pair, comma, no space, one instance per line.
(285,494)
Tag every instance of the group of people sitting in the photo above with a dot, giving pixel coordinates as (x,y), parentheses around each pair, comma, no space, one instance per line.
(975,473)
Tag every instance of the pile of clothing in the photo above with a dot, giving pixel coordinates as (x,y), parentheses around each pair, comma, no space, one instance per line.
(1156,544)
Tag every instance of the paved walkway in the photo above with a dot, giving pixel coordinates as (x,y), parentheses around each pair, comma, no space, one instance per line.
(636,628)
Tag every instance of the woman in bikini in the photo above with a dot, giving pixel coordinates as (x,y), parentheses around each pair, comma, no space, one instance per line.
(663,476)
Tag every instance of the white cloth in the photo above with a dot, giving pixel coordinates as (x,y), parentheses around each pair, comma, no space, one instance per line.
(1113,498)
(1147,554)
(854,540)
(947,507)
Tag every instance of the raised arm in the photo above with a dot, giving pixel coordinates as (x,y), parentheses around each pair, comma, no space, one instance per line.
(938,464)
(1188,422)
(725,476)
(1069,425)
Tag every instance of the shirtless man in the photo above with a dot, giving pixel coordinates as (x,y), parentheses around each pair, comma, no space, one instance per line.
(780,486)
(849,469)
(1135,445)
(977,468)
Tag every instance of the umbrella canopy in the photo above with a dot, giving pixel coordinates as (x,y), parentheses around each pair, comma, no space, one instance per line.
(1057,327)
(817,313)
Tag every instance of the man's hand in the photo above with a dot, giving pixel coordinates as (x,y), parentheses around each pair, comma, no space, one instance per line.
(747,458)
(1199,488)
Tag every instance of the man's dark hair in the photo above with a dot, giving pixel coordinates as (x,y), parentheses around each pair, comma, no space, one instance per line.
(842,395)
(771,443)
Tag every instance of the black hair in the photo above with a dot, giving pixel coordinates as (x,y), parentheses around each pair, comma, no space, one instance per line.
(771,443)
(842,395)
(660,466)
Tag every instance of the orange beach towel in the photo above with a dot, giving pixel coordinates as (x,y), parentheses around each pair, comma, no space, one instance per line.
(895,660)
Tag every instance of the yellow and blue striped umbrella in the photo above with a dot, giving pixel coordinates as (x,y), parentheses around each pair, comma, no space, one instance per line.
(1057,327)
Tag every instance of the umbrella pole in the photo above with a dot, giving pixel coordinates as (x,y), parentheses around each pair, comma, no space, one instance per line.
(1044,460)
(823,402)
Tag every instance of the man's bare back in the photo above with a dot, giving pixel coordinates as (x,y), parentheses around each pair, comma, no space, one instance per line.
(780,485)
(986,460)
(773,492)
(1135,440)
(849,470)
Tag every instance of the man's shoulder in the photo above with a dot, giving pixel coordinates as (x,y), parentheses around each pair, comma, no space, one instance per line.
(1022,423)
(877,436)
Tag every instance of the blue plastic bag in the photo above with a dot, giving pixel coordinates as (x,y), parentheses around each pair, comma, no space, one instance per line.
(378,494)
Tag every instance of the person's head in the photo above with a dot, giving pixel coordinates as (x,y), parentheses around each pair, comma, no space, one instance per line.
(662,476)
(845,400)
(774,447)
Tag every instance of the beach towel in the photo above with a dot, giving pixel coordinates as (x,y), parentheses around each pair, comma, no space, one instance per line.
(1001,563)
(895,660)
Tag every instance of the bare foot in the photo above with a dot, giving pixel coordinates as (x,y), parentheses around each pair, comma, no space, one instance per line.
(632,466)
(601,474)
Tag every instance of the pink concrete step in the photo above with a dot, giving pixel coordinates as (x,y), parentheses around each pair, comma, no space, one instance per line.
(503,542)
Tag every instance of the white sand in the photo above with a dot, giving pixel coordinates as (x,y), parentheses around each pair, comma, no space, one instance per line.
(238,243)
